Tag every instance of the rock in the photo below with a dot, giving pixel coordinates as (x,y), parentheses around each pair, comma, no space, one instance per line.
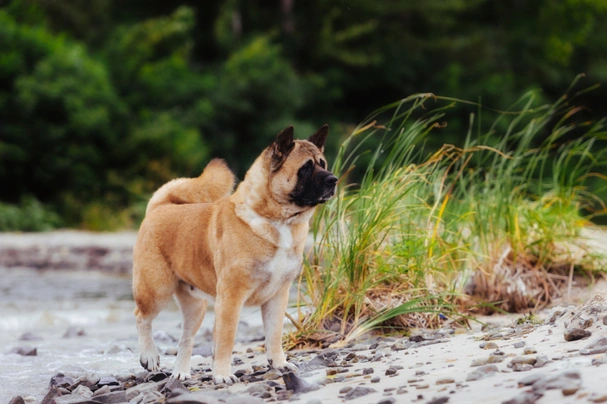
(605,320)
(391,371)
(115,397)
(368,371)
(439,400)
(519,344)
(529,380)
(529,351)
(522,360)
(599,399)
(172,351)
(73,332)
(574,334)
(28,336)
(272,374)
(422,386)
(482,372)
(541,361)
(359,347)
(24,351)
(387,400)
(151,377)
(331,371)
(82,391)
(108,381)
(17,400)
(585,322)
(257,389)
(398,346)
(479,362)
(73,399)
(495,359)
(297,384)
(375,379)
(524,398)
(135,391)
(61,380)
(522,367)
(445,380)
(345,389)
(321,360)
(357,392)
(567,380)
(314,401)
(102,390)
(491,345)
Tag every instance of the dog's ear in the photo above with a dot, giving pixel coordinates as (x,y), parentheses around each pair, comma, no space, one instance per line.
(320,137)
(282,146)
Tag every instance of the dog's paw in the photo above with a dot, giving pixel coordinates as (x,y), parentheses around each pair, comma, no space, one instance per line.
(181,375)
(285,367)
(225,379)
(150,362)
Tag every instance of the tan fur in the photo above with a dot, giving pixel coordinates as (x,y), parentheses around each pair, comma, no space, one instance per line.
(242,249)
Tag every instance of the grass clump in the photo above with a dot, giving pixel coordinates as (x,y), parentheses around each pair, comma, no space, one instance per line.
(422,238)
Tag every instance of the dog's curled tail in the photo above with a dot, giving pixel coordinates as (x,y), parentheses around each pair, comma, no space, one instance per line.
(215,182)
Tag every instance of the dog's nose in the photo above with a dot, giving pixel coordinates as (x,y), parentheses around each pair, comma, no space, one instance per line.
(330,180)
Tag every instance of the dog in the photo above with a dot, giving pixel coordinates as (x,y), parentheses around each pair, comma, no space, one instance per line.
(200,241)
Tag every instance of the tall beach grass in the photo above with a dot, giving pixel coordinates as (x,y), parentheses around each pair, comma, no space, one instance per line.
(425,238)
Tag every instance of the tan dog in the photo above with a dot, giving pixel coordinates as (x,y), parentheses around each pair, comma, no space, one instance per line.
(197,241)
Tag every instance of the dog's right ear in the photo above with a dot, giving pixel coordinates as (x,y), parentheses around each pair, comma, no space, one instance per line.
(282,146)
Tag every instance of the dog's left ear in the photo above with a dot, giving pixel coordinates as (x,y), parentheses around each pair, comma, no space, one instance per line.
(320,137)
(282,146)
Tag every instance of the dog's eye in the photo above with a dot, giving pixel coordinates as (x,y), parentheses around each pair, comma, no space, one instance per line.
(307,169)
(322,164)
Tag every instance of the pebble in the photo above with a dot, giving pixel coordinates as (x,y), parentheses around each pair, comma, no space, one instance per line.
(17,400)
(73,332)
(331,371)
(586,322)
(422,386)
(345,389)
(28,336)
(522,360)
(541,361)
(568,380)
(387,400)
(445,380)
(574,334)
(529,351)
(519,344)
(391,371)
(24,351)
(491,345)
(376,379)
(479,362)
(599,399)
(524,398)
(482,372)
(368,371)
(605,320)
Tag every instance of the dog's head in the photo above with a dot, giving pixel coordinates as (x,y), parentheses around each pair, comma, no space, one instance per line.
(299,173)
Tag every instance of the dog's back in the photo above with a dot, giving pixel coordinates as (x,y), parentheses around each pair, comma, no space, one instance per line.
(215,182)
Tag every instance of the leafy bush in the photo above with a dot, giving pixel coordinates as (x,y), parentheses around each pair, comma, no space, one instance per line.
(29,215)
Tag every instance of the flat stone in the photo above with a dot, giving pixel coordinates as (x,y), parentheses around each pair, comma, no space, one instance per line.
(541,361)
(445,380)
(529,351)
(115,397)
(605,320)
(391,371)
(524,398)
(387,400)
(599,399)
(422,386)
(522,367)
(439,400)
(491,345)
(345,389)
(522,360)
(574,334)
(206,351)
(495,359)
(358,391)
(134,391)
(586,322)
(482,372)
(569,379)
(519,344)
(108,381)
(17,400)
(297,384)
(331,371)
(73,399)
(529,380)
(375,379)
(368,371)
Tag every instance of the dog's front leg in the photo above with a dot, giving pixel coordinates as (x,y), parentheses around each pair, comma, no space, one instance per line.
(273,313)
(228,305)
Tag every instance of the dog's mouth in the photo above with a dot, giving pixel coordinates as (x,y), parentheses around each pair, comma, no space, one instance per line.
(328,195)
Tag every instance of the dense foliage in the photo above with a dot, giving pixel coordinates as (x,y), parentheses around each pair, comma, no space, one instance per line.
(103,100)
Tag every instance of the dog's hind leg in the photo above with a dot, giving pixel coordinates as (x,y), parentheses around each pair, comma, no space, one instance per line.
(152,291)
(193,310)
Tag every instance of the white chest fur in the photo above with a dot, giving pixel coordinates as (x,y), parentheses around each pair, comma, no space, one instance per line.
(284,266)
